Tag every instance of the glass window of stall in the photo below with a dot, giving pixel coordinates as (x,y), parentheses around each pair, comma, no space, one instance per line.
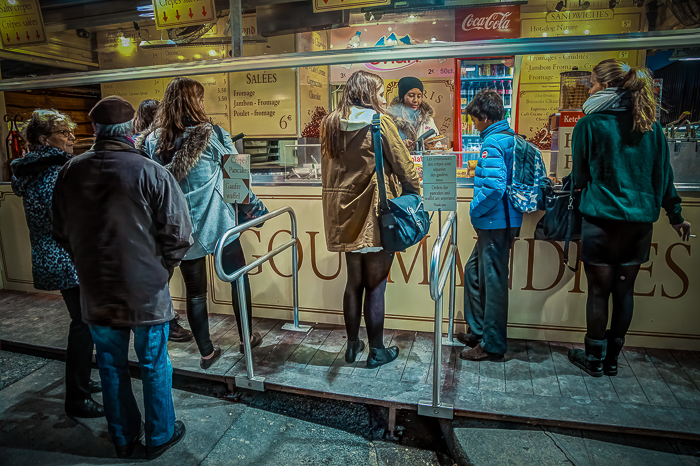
(279,109)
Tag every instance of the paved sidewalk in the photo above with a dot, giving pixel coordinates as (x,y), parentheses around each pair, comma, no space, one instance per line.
(34,430)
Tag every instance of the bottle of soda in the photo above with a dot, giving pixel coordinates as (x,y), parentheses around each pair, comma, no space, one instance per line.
(507,94)
(499,87)
(471,91)
(464,97)
(508,115)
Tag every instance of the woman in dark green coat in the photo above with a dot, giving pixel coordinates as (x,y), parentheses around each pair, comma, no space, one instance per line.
(621,164)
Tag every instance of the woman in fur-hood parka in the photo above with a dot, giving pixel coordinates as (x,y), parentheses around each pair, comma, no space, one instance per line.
(186,143)
(412,123)
(411,113)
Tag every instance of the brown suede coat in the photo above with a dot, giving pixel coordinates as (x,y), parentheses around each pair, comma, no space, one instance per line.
(350,194)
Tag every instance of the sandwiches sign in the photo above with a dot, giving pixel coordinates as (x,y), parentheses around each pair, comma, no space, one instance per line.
(487,23)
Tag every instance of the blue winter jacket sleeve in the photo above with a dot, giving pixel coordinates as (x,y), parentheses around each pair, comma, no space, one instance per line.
(490,178)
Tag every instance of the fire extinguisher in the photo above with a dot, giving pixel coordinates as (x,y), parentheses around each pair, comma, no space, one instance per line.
(13,142)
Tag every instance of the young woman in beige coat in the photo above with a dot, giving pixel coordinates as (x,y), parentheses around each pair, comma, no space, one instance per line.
(350,204)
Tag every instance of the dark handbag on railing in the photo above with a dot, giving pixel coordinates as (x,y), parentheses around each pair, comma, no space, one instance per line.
(562,219)
(402,221)
(255,207)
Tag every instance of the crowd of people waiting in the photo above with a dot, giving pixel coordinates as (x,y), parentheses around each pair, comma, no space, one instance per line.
(108,228)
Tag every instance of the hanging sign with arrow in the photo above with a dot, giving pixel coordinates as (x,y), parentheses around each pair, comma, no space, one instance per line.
(177,13)
(21,24)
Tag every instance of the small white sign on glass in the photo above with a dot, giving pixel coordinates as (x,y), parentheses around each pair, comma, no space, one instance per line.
(440,182)
(237,178)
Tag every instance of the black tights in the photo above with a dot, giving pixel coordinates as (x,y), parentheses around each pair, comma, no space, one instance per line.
(194,272)
(602,282)
(367,273)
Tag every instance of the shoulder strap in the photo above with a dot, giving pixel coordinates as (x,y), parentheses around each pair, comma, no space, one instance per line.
(219,134)
(570,218)
(379,160)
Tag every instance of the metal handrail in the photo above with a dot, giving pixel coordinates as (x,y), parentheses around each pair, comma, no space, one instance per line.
(438,279)
(252,381)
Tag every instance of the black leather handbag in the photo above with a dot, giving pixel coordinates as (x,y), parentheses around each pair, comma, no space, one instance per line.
(403,221)
(562,219)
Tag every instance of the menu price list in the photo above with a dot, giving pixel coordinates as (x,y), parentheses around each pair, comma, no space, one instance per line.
(263,103)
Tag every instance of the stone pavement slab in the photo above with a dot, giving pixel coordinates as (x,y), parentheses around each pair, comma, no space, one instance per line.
(34,430)
(475,442)
(263,438)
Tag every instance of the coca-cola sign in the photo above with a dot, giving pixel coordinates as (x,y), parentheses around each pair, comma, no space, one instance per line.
(487,23)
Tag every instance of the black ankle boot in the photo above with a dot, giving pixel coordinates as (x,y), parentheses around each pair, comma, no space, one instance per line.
(381,356)
(354,348)
(613,351)
(591,360)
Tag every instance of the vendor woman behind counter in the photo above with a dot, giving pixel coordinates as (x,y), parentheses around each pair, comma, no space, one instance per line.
(413,115)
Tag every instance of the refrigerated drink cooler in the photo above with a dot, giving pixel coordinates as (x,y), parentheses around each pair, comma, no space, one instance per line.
(476,75)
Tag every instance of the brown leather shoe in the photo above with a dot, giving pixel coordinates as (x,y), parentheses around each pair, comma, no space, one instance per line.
(177,333)
(255,340)
(464,338)
(478,354)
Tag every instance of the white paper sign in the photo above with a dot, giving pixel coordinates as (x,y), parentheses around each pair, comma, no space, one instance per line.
(237,178)
(440,182)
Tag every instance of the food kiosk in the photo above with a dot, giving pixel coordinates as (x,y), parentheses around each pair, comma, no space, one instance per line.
(278,91)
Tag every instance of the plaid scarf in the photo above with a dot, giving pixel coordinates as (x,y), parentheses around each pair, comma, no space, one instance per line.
(612,98)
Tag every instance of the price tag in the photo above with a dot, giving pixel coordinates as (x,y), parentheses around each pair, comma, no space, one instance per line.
(237,178)
(440,182)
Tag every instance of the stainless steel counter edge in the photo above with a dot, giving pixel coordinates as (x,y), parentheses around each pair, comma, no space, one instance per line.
(268,181)
(477,48)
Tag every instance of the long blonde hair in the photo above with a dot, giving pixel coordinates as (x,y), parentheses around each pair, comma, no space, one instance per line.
(360,91)
(616,73)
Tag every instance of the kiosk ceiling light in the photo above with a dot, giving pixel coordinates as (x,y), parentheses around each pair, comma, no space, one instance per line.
(560,6)
(584,5)
(612,4)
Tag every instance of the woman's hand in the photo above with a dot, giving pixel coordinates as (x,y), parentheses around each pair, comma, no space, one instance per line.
(410,145)
(683,230)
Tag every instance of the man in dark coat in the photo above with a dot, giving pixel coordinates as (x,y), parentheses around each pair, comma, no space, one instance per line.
(125,221)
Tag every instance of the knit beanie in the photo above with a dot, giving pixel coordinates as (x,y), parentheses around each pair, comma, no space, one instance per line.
(407,83)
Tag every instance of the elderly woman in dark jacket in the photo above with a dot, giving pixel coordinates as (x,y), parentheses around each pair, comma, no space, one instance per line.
(49,135)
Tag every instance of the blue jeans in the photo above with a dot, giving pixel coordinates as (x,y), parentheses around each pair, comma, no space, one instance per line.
(121,410)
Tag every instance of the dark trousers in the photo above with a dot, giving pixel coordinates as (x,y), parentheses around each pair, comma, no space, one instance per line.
(194,272)
(486,288)
(79,351)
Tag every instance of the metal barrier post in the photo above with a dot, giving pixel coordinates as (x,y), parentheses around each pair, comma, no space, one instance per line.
(449,340)
(438,278)
(295,283)
(250,380)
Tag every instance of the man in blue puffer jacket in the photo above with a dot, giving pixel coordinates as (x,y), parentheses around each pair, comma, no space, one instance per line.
(497,223)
